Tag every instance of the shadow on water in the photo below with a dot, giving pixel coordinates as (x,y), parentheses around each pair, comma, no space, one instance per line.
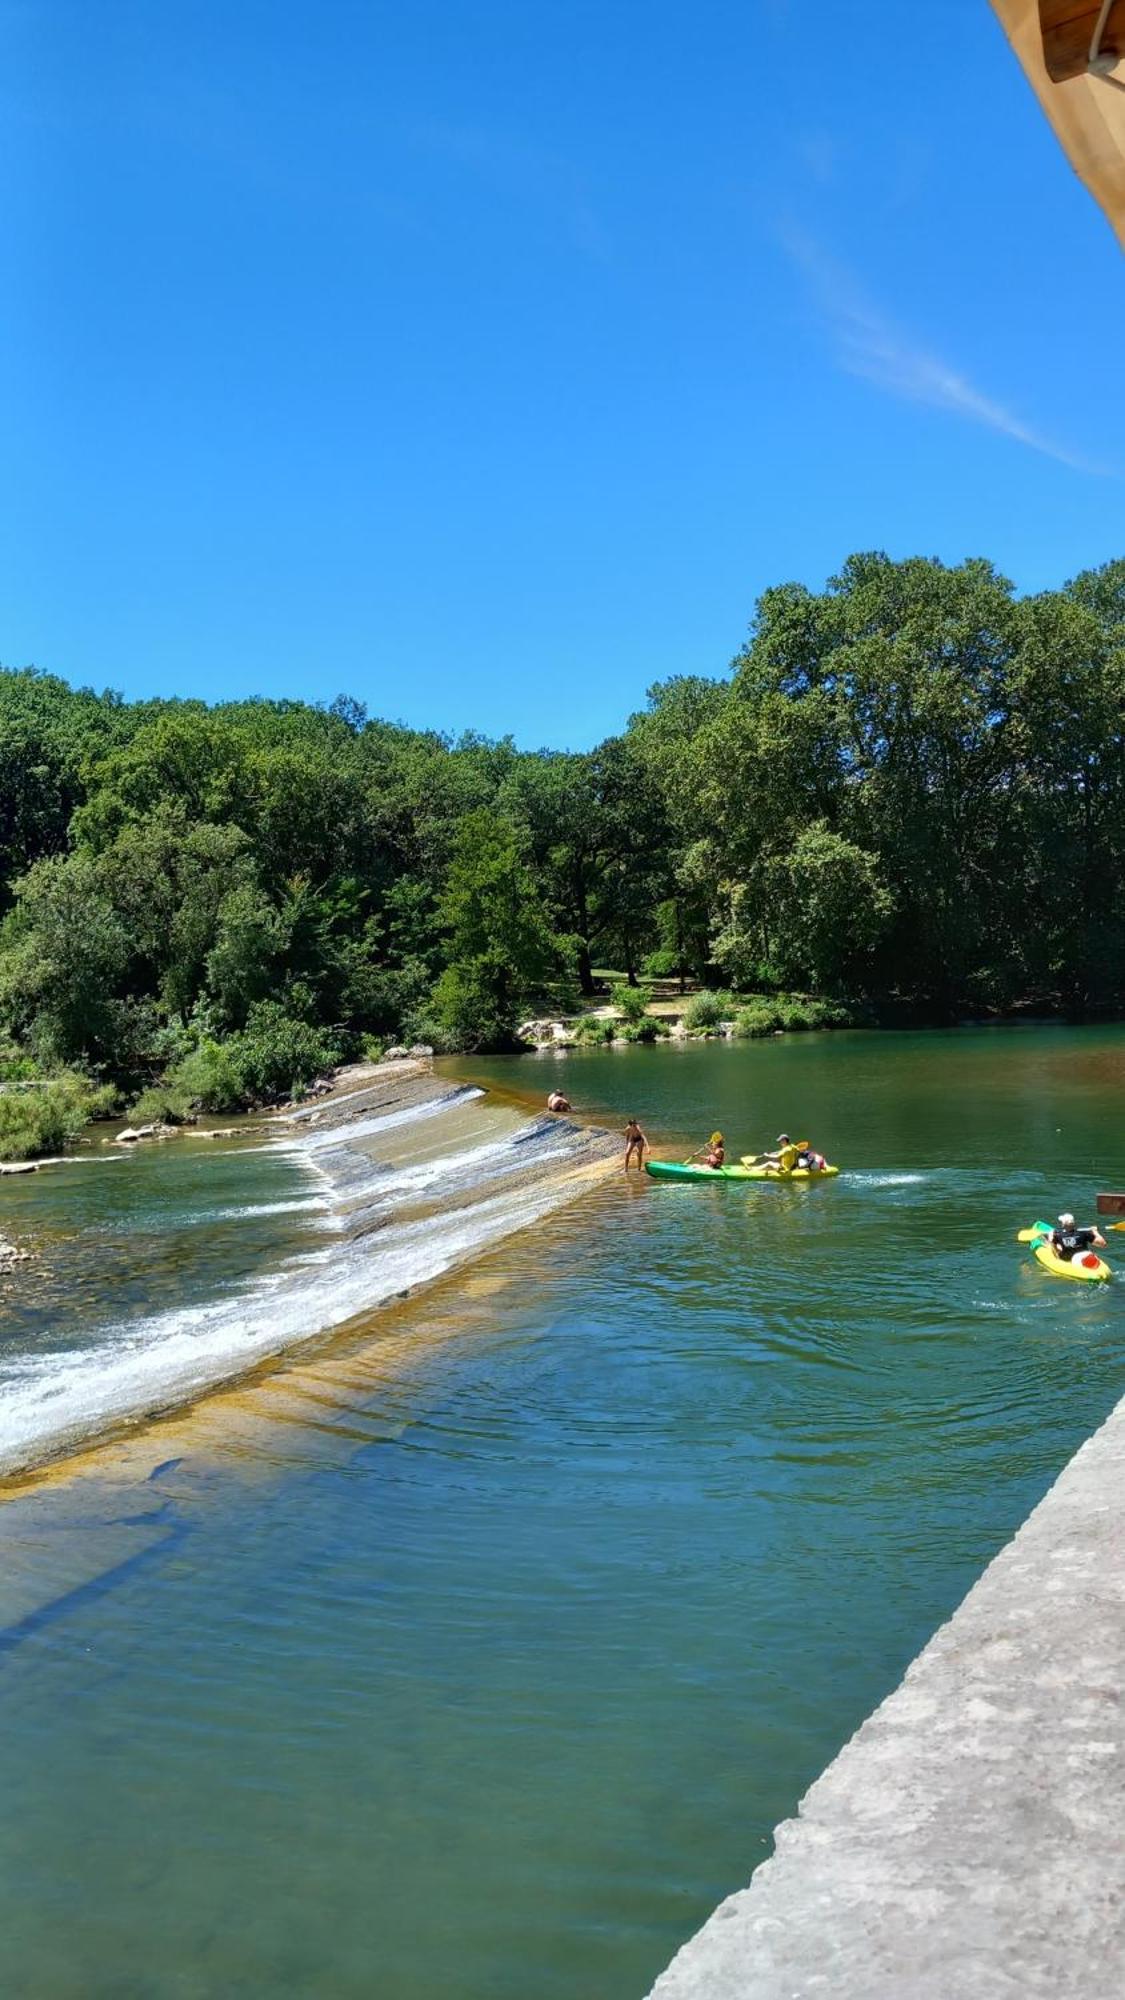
(479,1650)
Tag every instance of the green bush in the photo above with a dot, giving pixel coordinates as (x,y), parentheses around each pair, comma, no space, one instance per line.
(591,1031)
(210,1078)
(651,1029)
(662,964)
(759,1018)
(704,1011)
(424,1025)
(161,1104)
(791,1013)
(16,1065)
(371,1048)
(277,1055)
(631,1002)
(48,1119)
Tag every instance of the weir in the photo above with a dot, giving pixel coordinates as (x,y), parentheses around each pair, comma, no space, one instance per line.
(401,1177)
(967,1841)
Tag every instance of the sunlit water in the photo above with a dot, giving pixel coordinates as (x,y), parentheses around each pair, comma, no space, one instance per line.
(482,1657)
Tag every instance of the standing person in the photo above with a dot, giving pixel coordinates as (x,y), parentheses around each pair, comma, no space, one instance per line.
(635,1143)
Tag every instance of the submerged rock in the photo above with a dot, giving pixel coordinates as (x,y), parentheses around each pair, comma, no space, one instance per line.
(19,1167)
(10,1256)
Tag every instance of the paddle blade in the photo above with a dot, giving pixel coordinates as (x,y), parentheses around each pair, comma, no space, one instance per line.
(1027,1235)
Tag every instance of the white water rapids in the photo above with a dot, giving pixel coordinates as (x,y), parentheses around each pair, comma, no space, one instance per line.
(382,1191)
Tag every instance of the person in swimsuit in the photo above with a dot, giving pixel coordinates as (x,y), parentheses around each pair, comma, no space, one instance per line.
(557,1102)
(635,1143)
(716,1151)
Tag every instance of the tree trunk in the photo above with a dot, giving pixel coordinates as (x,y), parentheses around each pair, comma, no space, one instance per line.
(585,970)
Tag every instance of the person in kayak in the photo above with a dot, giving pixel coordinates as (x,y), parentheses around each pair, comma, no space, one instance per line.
(715,1154)
(1069,1241)
(635,1143)
(785,1158)
(811,1161)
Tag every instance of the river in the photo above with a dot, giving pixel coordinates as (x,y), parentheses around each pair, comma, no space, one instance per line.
(477,1649)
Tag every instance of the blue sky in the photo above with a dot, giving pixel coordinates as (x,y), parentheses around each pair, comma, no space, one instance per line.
(486,360)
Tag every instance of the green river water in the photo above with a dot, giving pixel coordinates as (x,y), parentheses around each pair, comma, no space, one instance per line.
(490,1673)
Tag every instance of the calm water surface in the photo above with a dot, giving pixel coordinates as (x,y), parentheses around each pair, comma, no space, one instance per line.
(488,1673)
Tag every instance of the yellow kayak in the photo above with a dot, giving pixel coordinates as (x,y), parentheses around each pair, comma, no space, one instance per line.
(1090,1268)
(794,1173)
(1087,1268)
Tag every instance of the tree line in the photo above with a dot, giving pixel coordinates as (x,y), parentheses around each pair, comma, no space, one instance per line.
(908,792)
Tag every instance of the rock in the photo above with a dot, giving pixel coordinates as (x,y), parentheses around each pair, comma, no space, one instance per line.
(396,1055)
(321,1085)
(219,1132)
(421,1050)
(132,1133)
(542,1033)
(10,1256)
(20,1167)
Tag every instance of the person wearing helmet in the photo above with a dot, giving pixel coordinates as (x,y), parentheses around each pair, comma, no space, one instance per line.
(715,1155)
(1068,1240)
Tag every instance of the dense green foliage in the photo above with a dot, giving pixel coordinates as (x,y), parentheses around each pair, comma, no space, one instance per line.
(910,791)
(45,1118)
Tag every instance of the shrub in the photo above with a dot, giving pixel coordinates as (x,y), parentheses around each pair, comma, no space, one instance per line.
(161,1104)
(210,1078)
(705,1011)
(631,1002)
(424,1025)
(16,1065)
(371,1049)
(650,1029)
(662,964)
(591,1031)
(791,1013)
(49,1119)
(759,1018)
(276,1054)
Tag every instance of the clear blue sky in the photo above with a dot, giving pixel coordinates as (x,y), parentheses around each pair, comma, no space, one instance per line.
(486,359)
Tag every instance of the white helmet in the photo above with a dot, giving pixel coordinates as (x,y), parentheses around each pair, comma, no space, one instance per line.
(1066,1222)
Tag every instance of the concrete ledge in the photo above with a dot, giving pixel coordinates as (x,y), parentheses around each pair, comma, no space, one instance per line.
(968,1843)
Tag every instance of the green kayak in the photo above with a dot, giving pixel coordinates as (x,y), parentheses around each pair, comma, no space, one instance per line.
(676,1170)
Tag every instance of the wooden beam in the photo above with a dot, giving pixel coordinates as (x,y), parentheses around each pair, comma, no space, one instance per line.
(1068,30)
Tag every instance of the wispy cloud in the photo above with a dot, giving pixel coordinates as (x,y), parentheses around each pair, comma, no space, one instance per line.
(868,344)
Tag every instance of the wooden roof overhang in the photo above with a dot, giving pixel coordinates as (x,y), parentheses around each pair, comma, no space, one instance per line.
(1073,52)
